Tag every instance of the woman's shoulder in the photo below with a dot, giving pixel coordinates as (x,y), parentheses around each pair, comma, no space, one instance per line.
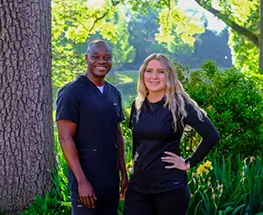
(190,105)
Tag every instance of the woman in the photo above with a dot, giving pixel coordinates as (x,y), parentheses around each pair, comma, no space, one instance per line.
(161,110)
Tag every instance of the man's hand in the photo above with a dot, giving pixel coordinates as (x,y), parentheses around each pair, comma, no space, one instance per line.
(124,187)
(86,194)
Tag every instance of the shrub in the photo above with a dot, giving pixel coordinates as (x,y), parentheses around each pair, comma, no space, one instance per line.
(217,189)
(233,102)
(126,131)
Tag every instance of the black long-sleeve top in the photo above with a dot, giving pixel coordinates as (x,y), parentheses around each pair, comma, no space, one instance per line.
(153,134)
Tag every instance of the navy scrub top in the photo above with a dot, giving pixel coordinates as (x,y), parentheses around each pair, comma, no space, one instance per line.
(97,116)
(154,134)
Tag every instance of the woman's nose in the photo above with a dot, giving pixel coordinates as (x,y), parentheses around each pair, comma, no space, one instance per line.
(154,75)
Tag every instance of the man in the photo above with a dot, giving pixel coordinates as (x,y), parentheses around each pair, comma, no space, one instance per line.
(88,115)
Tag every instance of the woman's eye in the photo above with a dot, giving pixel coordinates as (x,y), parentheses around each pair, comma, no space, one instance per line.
(148,71)
(161,71)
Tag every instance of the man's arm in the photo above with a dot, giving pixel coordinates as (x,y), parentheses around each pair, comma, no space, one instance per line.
(124,180)
(66,132)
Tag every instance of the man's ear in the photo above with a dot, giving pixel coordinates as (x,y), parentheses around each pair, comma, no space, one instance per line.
(86,57)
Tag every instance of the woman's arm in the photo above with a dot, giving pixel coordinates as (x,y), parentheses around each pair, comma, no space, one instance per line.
(205,128)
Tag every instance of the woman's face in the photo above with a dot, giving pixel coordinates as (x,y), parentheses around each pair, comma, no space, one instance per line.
(154,76)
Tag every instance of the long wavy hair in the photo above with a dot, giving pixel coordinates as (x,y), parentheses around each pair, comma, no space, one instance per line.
(174,91)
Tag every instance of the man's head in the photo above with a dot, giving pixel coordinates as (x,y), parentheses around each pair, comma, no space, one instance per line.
(99,58)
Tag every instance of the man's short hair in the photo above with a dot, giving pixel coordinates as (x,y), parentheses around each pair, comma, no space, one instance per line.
(96,42)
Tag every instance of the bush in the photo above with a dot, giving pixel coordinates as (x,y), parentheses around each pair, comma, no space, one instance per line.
(234,104)
(127,135)
(217,189)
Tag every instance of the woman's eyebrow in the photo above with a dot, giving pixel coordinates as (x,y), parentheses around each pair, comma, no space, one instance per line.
(156,69)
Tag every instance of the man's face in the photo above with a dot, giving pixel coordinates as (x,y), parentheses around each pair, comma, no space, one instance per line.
(99,60)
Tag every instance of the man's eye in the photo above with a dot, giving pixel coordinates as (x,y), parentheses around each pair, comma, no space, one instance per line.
(107,58)
(95,57)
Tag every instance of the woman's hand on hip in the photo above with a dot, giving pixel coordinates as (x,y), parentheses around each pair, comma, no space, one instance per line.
(176,161)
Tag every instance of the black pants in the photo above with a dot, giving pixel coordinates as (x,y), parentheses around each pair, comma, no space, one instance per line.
(106,203)
(168,203)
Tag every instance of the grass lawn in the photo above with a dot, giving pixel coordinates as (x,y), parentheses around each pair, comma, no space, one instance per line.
(126,82)
(128,76)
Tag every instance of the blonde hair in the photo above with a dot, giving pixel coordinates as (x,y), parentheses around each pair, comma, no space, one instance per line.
(174,91)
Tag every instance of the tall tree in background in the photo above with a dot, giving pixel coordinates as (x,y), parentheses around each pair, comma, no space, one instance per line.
(220,52)
(77,22)
(142,30)
(244,17)
(26,128)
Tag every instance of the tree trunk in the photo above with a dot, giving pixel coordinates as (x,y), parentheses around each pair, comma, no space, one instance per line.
(261,38)
(26,131)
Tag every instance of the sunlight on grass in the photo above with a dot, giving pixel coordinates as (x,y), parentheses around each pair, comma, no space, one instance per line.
(130,76)
(124,79)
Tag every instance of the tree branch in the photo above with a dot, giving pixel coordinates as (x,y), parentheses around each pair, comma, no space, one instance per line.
(241,30)
(114,3)
(96,20)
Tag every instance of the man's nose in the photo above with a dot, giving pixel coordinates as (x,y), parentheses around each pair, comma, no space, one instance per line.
(101,60)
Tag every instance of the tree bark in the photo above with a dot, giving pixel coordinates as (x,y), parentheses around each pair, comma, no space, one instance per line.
(261,38)
(26,131)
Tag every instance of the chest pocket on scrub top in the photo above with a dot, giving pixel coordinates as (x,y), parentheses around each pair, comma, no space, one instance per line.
(117,109)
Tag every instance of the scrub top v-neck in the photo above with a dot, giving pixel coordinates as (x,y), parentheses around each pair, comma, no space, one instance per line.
(97,116)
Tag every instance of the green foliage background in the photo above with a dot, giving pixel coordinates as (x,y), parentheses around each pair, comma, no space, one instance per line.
(234,103)
(231,97)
